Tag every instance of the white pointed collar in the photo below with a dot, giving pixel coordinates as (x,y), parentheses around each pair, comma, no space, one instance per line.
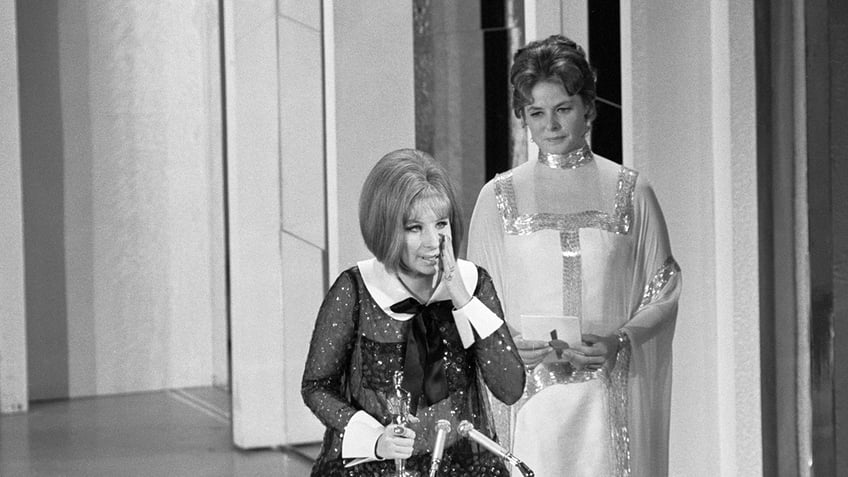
(387,290)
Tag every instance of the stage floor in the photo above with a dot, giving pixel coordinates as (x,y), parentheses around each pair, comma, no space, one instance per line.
(183,432)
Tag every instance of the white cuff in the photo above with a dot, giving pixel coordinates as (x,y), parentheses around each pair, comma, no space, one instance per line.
(360,437)
(477,315)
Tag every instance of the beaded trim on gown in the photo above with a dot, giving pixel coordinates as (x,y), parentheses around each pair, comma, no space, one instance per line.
(584,237)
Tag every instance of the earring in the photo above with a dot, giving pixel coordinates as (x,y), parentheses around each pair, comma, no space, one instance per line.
(524,126)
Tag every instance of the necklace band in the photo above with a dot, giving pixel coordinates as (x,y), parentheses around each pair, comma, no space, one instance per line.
(572,160)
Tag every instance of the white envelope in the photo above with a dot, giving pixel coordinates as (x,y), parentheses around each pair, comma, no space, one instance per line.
(541,327)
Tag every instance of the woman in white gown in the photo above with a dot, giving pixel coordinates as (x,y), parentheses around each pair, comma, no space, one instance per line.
(575,239)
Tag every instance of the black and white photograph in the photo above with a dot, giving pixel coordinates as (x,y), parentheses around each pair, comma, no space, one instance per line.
(423,238)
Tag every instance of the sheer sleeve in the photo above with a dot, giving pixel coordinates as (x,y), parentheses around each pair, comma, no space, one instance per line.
(497,356)
(657,284)
(658,276)
(486,243)
(324,379)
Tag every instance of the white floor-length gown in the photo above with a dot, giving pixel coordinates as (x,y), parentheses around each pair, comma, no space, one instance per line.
(579,235)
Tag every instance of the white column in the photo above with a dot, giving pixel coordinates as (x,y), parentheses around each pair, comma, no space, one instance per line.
(304,200)
(13,363)
(374,108)
(299,148)
(737,273)
(277,209)
(140,106)
(253,167)
(692,138)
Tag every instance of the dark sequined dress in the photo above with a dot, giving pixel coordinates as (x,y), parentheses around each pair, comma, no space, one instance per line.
(355,350)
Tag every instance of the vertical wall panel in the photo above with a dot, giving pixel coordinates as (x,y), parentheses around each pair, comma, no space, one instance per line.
(374,105)
(133,131)
(277,213)
(13,363)
(699,128)
(304,288)
(736,215)
(307,13)
(150,123)
(276,174)
(121,121)
(450,93)
(217,270)
(192,115)
(42,168)
(838,19)
(670,134)
(253,168)
(302,132)
(826,44)
(304,232)
(79,236)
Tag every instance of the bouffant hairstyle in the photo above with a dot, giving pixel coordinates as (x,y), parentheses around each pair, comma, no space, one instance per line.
(555,59)
(403,184)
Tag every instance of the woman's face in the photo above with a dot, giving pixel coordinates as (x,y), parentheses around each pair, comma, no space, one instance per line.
(421,240)
(557,120)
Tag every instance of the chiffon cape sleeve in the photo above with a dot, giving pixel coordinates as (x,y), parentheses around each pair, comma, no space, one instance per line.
(655,294)
(658,279)
(486,244)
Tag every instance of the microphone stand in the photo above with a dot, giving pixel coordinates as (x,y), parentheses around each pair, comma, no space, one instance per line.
(522,467)
(466,429)
(443,428)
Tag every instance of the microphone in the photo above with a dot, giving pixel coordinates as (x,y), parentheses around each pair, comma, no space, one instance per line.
(466,429)
(443,428)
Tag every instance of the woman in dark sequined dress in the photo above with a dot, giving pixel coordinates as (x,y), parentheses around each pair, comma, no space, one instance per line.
(415,309)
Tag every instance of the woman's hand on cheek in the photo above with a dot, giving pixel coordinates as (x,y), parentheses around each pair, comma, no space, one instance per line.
(450,273)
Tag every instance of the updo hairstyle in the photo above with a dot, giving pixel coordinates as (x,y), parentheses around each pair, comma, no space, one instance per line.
(555,59)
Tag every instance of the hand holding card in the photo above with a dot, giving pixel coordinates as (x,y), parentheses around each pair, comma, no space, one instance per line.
(561,331)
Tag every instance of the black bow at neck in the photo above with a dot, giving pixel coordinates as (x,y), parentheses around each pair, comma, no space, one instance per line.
(424,366)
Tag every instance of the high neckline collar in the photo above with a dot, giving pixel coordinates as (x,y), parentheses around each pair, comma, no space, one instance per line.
(572,160)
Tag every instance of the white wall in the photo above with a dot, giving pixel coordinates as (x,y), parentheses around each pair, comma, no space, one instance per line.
(142,121)
(304,199)
(256,324)
(13,364)
(303,131)
(121,119)
(690,128)
(374,107)
(277,192)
